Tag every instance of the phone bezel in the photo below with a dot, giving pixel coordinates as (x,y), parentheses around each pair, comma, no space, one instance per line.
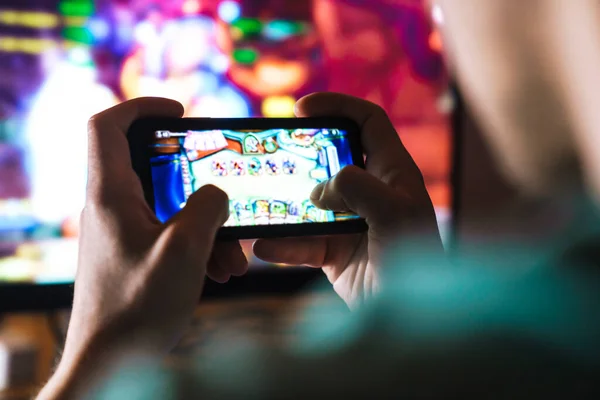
(141,134)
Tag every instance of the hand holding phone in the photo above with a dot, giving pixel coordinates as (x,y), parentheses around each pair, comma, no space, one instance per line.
(267,167)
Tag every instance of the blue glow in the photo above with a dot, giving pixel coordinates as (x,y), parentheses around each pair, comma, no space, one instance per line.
(80,56)
(219,63)
(99,29)
(280,30)
(274,33)
(168,186)
(229,11)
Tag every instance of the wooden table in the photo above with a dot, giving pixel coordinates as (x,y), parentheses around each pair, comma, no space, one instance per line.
(267,319)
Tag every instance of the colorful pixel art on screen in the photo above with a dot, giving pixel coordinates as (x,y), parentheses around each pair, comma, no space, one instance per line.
(268,175)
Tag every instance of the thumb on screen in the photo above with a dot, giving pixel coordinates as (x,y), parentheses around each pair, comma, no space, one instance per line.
(354,189)
(190,235)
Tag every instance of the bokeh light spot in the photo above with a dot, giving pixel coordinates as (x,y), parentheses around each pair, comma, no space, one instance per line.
(229,11)
(191,7)
(278,106)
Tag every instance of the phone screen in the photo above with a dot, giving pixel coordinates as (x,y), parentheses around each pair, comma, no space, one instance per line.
(267,174)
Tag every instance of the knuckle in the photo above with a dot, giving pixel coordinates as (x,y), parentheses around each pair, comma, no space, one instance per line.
(380,116)
(108,195)
(94,122)
(98,199)
(177,242)
(214,192)
(85,216)
(114,183)
(176,236)
(212,196)
(377,110)
(98,208)
(345,179)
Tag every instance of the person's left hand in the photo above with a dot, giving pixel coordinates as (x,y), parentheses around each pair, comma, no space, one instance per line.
(138,280)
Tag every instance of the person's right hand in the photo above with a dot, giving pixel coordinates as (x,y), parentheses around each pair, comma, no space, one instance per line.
(390,195)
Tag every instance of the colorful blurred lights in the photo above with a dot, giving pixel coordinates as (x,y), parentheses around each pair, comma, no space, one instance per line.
(446,103)
(191,7)
(78,34)
(281,30)
(248,26)
(145,34)
(437,14)
(245,56)
(99,28)
(76,8)
(276,74)
(38,20)
(219,63)
(80,56)
(229,11)
(278,106)
(26,45)
(435,41)
(236,33)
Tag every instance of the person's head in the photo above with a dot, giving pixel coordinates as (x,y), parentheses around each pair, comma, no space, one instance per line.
(529,71)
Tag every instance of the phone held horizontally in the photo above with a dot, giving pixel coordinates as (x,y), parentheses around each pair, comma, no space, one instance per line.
(267,166)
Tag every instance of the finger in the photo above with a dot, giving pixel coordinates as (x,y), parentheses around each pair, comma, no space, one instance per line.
(354,189)
(232,257)
(189,237)
(310,251)
(386,156)
(108,151)
(215,271)
(227,260)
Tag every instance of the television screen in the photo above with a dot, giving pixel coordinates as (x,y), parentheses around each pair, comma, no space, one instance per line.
(61,61)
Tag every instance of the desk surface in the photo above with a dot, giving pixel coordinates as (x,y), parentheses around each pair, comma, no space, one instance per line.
(265,319)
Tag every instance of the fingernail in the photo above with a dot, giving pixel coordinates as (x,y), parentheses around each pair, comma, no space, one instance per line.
(227,211)
(296,109)
(317,192)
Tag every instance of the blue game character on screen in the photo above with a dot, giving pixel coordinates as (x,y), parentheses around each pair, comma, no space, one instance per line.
(244,213)
(289,166)
(294,213)
(272,167)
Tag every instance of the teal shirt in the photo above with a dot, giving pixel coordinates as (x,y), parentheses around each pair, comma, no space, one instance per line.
(524,325)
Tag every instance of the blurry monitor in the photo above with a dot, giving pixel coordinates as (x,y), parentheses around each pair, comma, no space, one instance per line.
(61,61)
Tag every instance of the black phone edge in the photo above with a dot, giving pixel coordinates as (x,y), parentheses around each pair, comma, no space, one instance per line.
(358,225)
(139,137)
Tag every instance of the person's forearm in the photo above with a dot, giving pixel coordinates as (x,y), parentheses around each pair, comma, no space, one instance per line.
(82,367)
(77,372)
(59,387)
(70,379)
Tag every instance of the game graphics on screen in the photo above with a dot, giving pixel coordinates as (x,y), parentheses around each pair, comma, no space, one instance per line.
(61,61)
(268,175)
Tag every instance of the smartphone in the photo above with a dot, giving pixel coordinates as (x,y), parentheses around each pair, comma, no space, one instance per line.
(267,166)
